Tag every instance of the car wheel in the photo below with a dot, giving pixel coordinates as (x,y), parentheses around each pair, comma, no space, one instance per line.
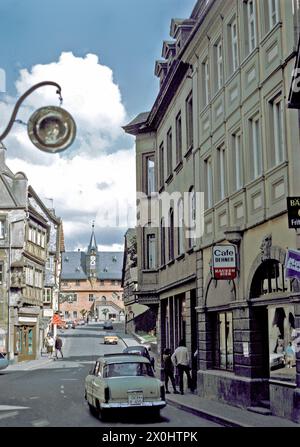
(101,414)
(92,409)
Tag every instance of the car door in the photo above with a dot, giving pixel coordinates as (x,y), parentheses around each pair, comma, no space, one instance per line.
(97,383)
(89,384)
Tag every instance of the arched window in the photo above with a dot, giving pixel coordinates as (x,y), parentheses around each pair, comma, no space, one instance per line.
(192,217)
(162,242)
(171,234)
(180,227)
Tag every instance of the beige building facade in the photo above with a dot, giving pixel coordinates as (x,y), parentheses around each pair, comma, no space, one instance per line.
(220,125)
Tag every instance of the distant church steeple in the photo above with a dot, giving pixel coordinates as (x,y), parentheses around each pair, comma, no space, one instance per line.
(92,255)
(93,244)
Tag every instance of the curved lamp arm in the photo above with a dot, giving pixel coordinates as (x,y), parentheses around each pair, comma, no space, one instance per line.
(21,99)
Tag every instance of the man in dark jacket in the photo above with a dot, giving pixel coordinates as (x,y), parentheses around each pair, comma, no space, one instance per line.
(168,370)
(58,346)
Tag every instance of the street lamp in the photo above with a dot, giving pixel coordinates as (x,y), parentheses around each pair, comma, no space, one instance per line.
(51,129)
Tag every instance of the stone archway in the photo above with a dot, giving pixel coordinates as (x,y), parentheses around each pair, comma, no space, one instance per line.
(275,253)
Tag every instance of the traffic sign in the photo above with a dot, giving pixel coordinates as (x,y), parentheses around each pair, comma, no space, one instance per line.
(224,262)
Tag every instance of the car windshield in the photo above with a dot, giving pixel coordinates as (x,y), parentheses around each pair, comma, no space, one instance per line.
(2,356)
(128,369)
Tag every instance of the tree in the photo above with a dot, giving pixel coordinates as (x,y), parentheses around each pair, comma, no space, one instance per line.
(105,312)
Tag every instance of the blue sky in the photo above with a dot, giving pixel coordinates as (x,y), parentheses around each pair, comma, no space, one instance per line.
(51,39)
(126,34)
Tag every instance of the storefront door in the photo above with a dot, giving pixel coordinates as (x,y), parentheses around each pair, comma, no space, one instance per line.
(25,342)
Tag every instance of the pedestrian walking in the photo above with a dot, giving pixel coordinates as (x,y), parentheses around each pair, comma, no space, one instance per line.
(58,347)
(181,359)
(49,342)
(169,370)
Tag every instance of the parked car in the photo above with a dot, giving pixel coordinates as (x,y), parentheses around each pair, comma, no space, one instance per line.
(123,381)
(81,322)
(68,324)
(107,325)
(140,350)
(111,339)
(277,361)
(3,361)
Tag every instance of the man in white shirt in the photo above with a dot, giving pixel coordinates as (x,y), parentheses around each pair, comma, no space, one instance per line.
(181,359)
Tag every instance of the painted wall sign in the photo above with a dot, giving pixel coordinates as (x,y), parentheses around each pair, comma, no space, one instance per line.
(27,319)
(224,261)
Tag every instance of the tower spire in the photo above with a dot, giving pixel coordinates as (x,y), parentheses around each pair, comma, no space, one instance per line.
(93,244)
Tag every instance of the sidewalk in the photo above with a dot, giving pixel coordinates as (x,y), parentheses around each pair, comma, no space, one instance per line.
(27,365)
(224,414)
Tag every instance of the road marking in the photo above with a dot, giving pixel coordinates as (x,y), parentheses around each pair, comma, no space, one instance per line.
(69,379)
(62,389)
(34,397)
(9,415)
(40,423)
(12,407)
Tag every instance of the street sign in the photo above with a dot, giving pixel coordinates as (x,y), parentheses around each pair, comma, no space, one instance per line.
(224,262)
(292,264)
(293,207)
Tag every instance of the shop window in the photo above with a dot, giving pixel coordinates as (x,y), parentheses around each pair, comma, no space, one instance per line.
(283,339)
(223,342)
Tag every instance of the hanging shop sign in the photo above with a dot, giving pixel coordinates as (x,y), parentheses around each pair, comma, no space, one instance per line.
(292,264)
(224,262)
(293,207)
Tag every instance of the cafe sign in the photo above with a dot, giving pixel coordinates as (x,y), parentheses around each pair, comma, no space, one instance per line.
(224,262)
(293,207)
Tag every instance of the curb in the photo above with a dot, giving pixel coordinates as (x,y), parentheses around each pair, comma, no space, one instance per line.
(23,367)
(226,422)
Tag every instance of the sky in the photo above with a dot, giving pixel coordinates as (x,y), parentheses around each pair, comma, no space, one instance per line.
(102,53)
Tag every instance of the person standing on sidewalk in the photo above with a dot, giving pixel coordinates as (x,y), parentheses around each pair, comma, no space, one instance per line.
(169,370)
(49,342)
(58,347)
(181,359)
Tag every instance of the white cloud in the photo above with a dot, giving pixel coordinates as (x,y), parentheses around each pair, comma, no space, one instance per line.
(86,182)
(88,91)
(74,186)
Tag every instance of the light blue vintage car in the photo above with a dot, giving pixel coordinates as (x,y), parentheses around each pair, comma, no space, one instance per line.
(123,381)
